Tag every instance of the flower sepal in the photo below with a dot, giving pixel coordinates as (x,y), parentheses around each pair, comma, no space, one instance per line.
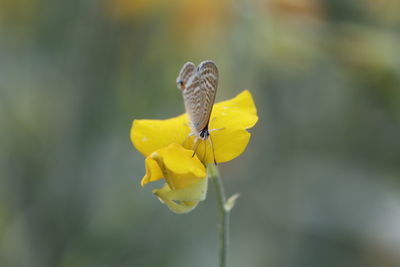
(183,200)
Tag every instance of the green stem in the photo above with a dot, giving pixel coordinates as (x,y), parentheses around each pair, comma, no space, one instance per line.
(223,227)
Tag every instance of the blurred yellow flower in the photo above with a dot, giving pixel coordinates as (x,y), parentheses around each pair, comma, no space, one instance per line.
(189,16)
(168,149)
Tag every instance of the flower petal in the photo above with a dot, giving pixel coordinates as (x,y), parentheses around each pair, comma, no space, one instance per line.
(238,112)
(179,160)
(183,169)
(149,135)
(176,165)
(153,171)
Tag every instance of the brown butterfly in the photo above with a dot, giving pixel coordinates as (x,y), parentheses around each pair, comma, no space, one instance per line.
(199,87)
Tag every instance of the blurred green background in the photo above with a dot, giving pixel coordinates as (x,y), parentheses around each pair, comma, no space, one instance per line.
(319,181)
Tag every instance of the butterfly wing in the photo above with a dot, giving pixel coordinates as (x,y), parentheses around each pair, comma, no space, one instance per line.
(208,73)
(186,72)
(199,87)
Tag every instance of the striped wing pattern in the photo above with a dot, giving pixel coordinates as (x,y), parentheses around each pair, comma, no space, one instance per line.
(186,72)
(199,90)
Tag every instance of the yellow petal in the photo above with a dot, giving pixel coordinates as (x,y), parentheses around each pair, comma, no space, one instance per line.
(239,112)
(153,171)
(149,135)
(181,161)
(227,144)
(183,169)
(176,165)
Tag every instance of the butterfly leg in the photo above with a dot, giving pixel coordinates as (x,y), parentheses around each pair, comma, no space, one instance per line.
(212,130)
(196,145)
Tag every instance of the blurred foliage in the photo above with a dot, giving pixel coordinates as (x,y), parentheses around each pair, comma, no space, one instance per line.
(319,182)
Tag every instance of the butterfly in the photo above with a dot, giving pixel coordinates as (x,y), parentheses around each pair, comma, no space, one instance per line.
(199,87)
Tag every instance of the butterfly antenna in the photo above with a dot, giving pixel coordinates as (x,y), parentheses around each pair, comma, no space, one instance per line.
(212,148)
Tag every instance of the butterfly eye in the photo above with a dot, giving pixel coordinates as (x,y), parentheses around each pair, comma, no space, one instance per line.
(181,84)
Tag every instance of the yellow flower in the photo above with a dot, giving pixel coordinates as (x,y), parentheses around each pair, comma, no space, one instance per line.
(168,149)
(228,123)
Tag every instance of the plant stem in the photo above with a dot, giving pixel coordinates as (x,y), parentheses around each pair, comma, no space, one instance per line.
(223,227)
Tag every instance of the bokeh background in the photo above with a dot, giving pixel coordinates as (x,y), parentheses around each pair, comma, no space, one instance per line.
(319,181)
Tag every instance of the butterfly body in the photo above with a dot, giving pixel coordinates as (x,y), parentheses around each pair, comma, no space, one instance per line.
(199,87)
